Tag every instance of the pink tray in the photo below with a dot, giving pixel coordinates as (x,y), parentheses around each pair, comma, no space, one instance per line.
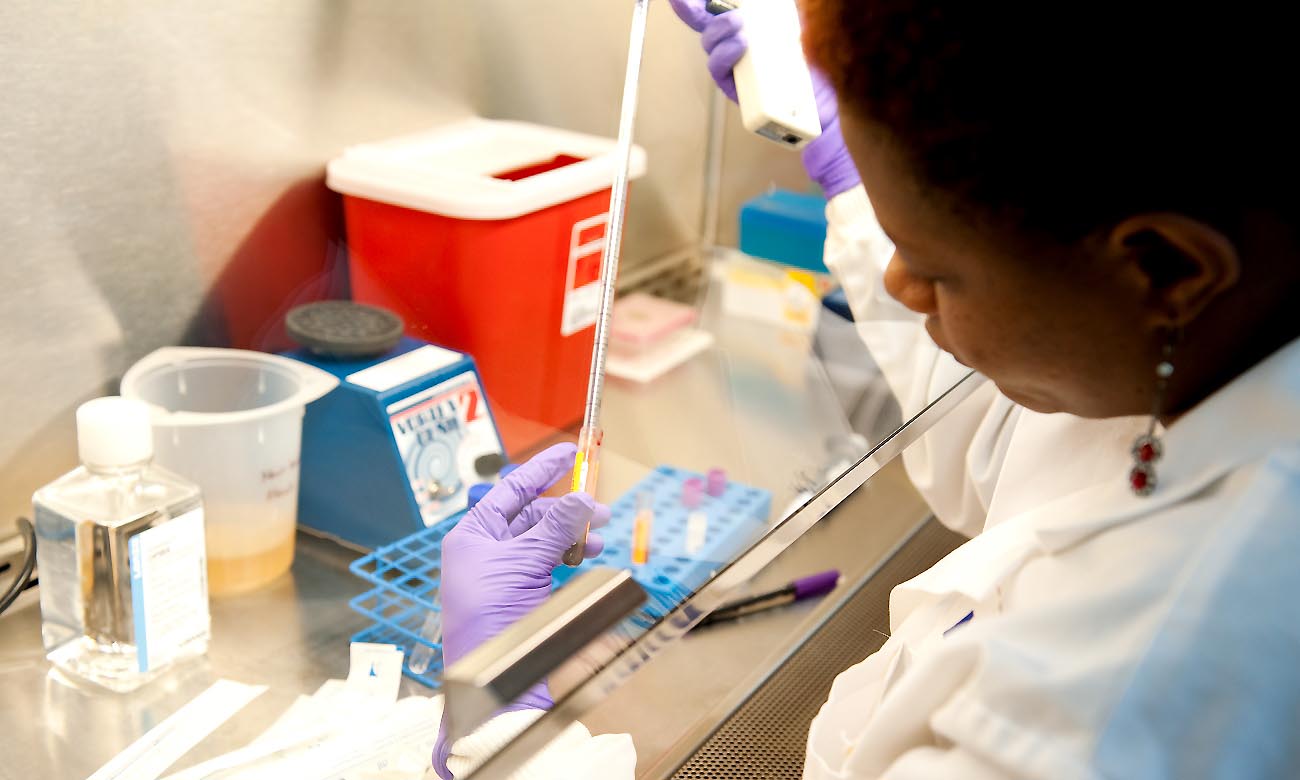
(639,320)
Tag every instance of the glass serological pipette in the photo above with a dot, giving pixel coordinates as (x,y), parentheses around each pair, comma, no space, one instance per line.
(587,463)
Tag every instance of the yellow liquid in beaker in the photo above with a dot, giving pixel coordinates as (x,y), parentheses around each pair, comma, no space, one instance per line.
(228,576)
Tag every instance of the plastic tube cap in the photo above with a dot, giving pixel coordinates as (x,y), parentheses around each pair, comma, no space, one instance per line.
(692,492)
(114,431)
(717,484)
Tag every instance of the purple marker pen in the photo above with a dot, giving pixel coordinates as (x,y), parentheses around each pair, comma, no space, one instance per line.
(800,589)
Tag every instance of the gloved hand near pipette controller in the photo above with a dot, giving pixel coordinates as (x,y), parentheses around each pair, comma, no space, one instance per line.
(497,562)
(825,158)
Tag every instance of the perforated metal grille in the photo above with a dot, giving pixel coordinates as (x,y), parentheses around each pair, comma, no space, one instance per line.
(766,736)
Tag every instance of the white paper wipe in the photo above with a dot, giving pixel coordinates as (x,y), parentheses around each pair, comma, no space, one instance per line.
(401,737)
(149,756)
(347,729)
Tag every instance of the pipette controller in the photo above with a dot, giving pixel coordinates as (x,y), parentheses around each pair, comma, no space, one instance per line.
(773,84)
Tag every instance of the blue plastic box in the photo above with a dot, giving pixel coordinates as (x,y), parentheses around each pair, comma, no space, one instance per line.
(786,227)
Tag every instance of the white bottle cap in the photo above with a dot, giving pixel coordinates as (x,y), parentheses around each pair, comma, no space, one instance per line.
(114,431)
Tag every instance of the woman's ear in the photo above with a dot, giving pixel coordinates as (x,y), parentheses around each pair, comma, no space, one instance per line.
(1182,264)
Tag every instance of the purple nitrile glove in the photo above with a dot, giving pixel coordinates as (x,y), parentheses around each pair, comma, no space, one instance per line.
(723,38)
(825,158)
(497,563)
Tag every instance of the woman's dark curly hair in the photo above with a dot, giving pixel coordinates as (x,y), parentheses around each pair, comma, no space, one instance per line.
(1066,117)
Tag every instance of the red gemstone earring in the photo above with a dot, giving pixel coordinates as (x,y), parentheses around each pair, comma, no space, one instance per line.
(1147,448)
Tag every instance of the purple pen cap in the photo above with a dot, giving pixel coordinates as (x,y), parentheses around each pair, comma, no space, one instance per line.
(816,584)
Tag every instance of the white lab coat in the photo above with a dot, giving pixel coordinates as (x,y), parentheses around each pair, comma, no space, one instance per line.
(1110,635)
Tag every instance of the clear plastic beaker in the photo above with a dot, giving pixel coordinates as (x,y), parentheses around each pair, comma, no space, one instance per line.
(231,421)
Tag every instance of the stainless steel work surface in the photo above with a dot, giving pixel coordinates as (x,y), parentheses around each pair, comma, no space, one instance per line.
(292,636)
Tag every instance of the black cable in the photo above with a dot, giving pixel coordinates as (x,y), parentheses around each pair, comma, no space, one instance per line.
(29,563)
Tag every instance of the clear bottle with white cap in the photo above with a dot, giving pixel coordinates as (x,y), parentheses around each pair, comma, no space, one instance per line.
(120,555)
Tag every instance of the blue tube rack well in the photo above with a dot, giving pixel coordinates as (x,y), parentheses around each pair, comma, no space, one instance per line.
(406,574)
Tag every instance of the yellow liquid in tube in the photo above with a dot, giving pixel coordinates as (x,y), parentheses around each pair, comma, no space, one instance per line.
(642,527)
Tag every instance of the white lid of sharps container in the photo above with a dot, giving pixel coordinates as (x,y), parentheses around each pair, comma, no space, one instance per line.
(114,431)
(455,170)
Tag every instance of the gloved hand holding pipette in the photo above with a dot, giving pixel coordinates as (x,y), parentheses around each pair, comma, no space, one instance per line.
(825,158)
(497,561)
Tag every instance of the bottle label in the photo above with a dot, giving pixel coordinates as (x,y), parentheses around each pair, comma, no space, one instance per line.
(169,589)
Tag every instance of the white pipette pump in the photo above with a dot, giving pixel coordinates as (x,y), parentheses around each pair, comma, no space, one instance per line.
(773,83)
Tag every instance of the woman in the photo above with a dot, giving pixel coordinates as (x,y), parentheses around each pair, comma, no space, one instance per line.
(1094,207)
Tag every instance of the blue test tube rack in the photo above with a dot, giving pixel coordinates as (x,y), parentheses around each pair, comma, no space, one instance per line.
(671,574)
(406,574)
